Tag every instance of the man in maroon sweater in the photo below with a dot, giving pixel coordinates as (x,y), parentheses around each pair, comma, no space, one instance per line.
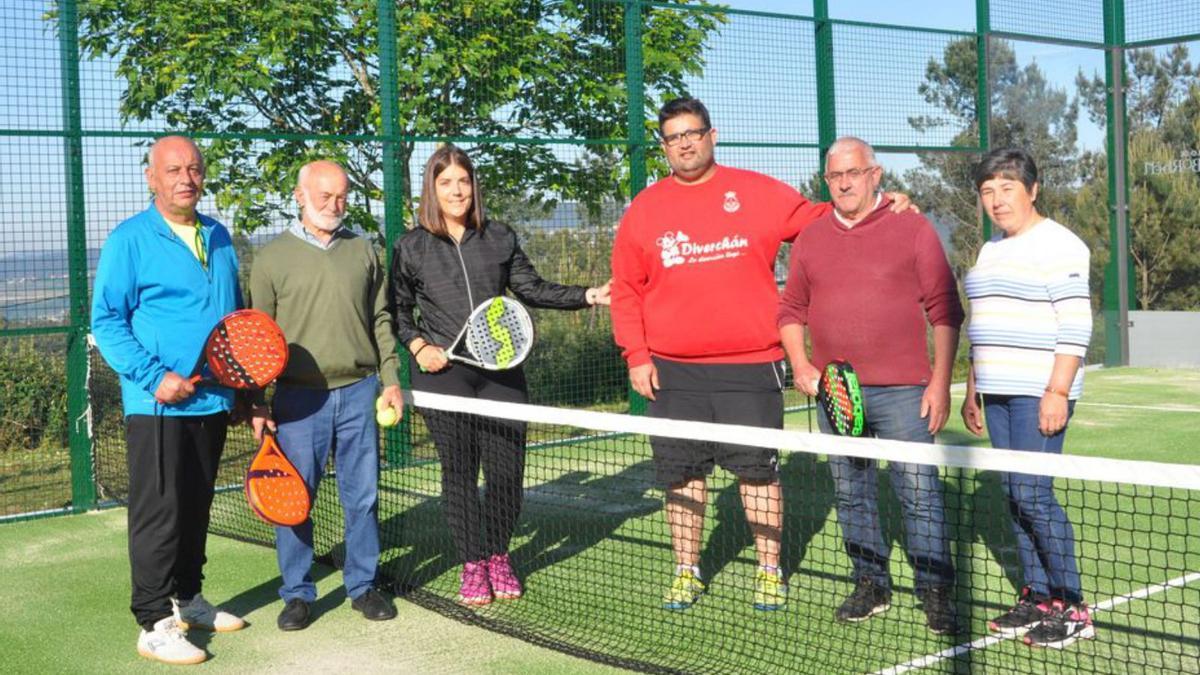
(694,300)
(863,283)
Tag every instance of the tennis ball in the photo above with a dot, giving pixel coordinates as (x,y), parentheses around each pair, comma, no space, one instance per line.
(380,404)
(387,417)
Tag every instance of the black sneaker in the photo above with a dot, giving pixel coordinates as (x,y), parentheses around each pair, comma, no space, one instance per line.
(374,605)
(295,615)
(940,616)
(1062,625)
(1027,613)
(867,600)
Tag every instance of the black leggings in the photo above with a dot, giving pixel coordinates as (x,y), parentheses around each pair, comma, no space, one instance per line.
(480,528)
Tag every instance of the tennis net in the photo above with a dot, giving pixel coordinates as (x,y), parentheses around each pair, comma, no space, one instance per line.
(593,548)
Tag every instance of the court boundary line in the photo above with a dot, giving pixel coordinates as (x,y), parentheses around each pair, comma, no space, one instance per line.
(988,641)
(1152,408)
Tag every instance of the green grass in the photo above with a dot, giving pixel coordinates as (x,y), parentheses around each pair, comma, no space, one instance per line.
(34,480)
(594,549)
(66,596)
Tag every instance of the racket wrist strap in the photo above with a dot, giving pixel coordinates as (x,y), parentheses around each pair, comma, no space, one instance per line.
(418,352)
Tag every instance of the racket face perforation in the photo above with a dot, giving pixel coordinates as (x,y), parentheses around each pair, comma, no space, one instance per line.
(499,333)
(840,396)
(246,350)
(274,489)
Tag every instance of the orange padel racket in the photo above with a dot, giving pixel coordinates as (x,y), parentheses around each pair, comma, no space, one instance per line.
(276,492)
(245,350)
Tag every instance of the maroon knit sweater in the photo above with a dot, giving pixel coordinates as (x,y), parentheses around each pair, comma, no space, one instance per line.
(866,292)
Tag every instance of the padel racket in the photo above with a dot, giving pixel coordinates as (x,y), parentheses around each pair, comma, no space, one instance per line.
(497,336)
(274,489)
(840,395)
(245,350)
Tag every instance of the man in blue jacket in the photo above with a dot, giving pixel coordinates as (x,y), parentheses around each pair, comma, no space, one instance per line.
(166,276)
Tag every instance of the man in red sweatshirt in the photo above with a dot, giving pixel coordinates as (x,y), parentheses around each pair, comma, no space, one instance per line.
(694,301)
(863,282)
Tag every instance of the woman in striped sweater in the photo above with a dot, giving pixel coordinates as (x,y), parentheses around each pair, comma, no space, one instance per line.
(1030,325)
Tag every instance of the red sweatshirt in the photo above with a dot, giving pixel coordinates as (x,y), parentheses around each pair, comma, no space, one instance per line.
(694,268)
(866,292)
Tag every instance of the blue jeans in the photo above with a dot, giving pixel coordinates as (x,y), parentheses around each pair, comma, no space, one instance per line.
(893,413)
(312,422)
(1045,539)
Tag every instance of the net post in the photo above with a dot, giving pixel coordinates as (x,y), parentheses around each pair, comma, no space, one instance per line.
(83,487)
(636,126)
(826,91)
(397,440)
(983,89)
(1118,274)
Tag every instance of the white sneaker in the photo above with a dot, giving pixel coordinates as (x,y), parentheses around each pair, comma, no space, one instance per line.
(199,613)
(168,644)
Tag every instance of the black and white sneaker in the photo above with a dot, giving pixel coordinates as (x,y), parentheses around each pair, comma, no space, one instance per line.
(867,600)
(1027,613)
(940,615)
(1063,625)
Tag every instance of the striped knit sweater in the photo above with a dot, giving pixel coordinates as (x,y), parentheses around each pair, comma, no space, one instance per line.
(1029,301)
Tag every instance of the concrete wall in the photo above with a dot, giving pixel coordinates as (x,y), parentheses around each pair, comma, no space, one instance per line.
(1164,339)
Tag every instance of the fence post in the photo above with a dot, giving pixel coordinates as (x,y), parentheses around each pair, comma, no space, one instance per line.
(83,487)
(397,441)
(983,88)
(1118,289)
(636,126)
(826,93)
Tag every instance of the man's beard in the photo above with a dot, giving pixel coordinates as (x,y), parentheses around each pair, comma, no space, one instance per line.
(321,221)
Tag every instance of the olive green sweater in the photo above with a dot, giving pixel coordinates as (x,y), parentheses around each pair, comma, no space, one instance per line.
(332,306)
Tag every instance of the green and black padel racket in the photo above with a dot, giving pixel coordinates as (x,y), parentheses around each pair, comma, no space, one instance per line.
(498,335)
(840,395)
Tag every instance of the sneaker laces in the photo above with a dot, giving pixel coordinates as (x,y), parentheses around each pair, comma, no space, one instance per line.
(172,630)
(863,588)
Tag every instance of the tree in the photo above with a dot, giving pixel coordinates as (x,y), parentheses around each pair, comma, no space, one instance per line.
(1025,111)
(496,69)
(1163,122)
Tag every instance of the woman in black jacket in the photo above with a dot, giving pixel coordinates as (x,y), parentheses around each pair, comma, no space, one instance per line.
(454,260)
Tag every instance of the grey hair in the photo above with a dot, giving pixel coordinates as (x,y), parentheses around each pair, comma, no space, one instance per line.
(849,143)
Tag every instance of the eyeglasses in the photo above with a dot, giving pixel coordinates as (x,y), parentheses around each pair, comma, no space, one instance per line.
(693,135)
(852,174)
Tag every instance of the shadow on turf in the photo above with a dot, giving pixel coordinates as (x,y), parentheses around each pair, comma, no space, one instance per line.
(597,507)
(808,498)
(267,594)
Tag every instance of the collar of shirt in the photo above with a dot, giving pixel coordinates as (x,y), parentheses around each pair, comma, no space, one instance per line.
(302,232)
(878,199)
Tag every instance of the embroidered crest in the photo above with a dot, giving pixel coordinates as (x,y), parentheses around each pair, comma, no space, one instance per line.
(731,202)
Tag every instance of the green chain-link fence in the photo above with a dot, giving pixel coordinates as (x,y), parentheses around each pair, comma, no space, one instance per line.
(556,101)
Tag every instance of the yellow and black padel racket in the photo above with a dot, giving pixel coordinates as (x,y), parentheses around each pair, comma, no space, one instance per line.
(497,336)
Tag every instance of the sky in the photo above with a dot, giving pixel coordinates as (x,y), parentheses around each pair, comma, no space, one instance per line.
(752,59)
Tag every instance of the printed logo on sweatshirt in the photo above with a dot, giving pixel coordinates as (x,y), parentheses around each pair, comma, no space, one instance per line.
(731,202)
(678,249)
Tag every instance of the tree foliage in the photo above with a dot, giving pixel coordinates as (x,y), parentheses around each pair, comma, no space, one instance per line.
(1026,111)
(1163,121)
(498,69)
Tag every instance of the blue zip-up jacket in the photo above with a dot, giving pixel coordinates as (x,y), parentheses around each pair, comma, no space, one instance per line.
(153,306)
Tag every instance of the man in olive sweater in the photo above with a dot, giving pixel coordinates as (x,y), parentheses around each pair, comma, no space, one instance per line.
(327,288)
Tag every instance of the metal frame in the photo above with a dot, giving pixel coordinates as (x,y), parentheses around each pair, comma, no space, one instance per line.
(1118,284)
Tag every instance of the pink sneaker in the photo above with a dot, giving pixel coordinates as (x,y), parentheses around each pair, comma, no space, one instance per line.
(475,589)
(505,583)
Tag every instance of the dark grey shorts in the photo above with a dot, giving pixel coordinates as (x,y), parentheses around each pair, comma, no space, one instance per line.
(728,393)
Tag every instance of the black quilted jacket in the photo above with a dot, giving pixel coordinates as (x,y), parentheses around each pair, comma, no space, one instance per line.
(443,281)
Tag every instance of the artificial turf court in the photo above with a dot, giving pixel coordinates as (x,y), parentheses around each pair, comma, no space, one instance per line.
(593,548)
